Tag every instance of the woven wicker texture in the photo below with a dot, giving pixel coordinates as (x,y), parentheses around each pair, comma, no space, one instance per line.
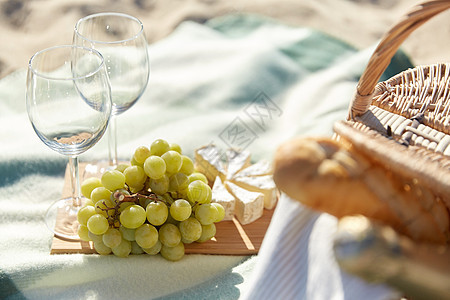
(403,126)
(411,108)
(386,49)
(415,105)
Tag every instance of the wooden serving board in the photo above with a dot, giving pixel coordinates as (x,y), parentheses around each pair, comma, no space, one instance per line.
(231,238)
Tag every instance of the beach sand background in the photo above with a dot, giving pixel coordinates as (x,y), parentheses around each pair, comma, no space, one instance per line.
(29,26)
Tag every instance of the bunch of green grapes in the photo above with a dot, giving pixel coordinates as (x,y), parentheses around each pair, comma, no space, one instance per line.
(156,204)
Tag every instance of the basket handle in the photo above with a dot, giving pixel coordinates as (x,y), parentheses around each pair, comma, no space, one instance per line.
(386,49)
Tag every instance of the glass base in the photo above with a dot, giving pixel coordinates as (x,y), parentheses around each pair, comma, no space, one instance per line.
(61,218)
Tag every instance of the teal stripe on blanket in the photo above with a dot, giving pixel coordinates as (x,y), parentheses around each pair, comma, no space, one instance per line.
(8,289)
(315,51)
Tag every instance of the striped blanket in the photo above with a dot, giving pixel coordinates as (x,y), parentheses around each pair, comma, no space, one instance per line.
(274,80)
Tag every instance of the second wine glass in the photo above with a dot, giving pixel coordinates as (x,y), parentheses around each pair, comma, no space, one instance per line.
(121,40)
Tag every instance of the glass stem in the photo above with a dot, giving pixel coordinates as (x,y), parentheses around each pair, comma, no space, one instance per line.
(112,141)
(75,181)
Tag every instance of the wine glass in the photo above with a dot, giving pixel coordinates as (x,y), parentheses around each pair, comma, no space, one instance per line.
(121,40)
(69,105)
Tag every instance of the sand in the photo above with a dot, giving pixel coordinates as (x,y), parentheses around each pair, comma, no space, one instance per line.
(29,26)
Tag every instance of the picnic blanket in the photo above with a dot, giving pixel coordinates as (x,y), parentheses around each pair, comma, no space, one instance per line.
(236,81)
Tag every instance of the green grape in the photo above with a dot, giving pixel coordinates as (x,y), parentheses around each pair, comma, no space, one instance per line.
(95,238)
(123,206)
(157,213)
(190,229)
(133,216)
(168,198)
(197,176)
(121,167)
(206,213)
(88,185)
(83,233)
(175,147)
(185,241)
(135,176)
(88,202)
(147,201)
(173,253)
(153,250)
(112,237)
(118,195)
(97,224)
(133,162)
(100,193)
(146,236)
(127,233)
(101,248)
(169,235)
(136,189)
(195,207)
(113,180)
(105,207)
(123,250)
(208,232)
(183,194)
(84,214)
(159,147)
(220,210)
(136,249)
(141,153)
(209,197)
(173,161)
(180,210)
(187,166)
(155,167)
(178,182)
(171,220)
(198,192)
(147,183)
(159,186)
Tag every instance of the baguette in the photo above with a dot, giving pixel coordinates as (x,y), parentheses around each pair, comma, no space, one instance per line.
(331,176)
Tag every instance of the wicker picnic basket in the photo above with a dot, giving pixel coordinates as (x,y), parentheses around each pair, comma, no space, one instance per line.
(390,160)
(403,123)
(388,163)
(412,108)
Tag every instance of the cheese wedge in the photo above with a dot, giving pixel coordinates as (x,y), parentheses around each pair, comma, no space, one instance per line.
(236,161)
(249,205)
(260,184)
(261,168)
(244,190)
(223,197)
(208,160)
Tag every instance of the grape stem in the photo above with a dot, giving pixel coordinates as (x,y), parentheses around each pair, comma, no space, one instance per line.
(120,198)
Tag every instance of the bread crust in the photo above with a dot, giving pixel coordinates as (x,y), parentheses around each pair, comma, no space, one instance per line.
(328,175)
